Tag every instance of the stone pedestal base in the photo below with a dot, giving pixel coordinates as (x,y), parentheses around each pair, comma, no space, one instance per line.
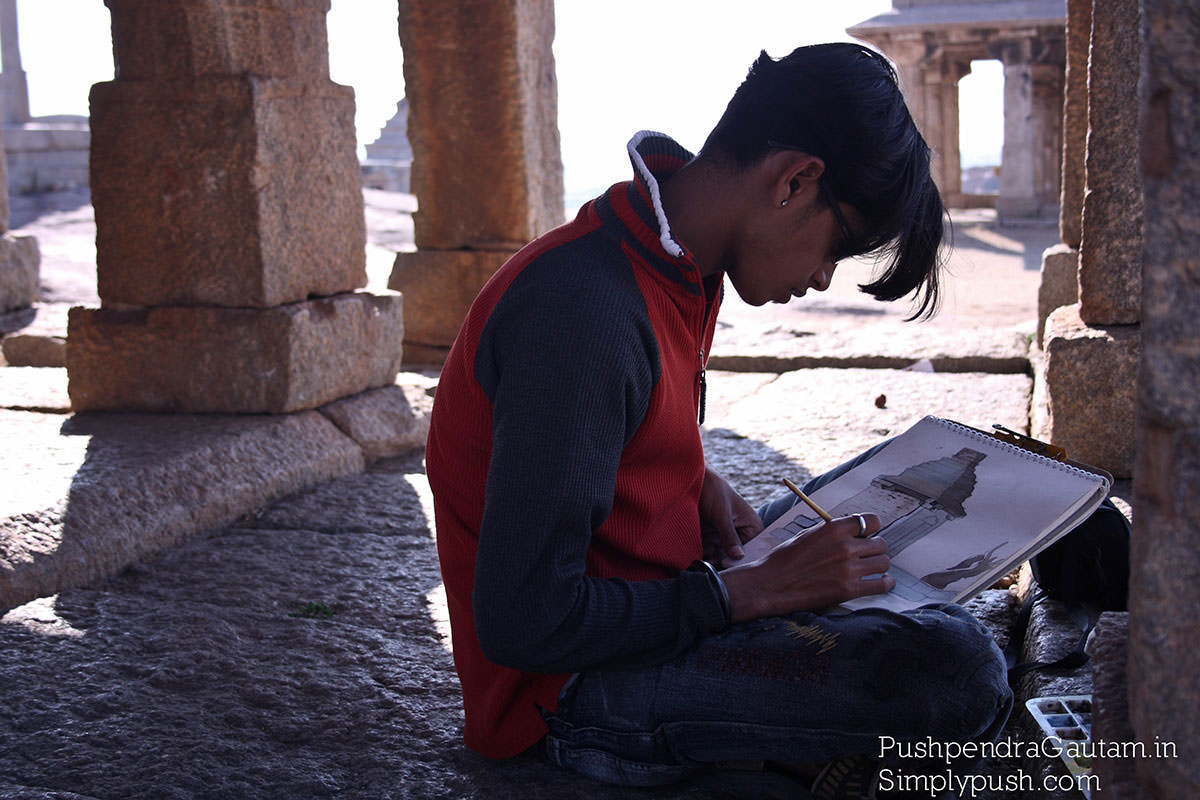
(438,287)
(19,262)
(1060,283)
(233,360)
(1084,397)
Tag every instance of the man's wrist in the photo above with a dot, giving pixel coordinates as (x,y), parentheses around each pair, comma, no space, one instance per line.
(719,586)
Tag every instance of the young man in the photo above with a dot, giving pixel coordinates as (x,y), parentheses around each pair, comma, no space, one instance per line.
(572,500)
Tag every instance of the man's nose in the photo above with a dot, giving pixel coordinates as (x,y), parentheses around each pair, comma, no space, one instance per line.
(823,277)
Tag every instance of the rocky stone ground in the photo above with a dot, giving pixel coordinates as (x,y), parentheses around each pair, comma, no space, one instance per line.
(299,648)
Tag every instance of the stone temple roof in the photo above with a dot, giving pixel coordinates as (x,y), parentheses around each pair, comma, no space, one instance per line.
(990,13)
(944,482)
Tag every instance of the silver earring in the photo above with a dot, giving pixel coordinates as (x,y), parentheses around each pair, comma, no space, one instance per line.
(782,203)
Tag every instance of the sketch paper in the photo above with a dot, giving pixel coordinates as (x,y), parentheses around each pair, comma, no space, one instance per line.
(959,509)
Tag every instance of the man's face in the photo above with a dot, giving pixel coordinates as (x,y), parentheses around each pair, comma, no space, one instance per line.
(789,251)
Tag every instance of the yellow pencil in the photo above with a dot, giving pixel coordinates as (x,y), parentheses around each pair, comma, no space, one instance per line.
(820,511)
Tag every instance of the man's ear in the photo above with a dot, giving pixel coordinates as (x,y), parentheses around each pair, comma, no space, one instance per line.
(796,175)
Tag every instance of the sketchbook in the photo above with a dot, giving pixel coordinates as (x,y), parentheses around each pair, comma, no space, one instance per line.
(960,508)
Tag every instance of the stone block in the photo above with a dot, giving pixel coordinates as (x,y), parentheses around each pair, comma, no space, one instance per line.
(1109,651)
(91,495)
(28,350)
(439,287)
(387,421)
(1060,283)
(1110,250)
(1090,376)
(19,263)
(203,38)
(249,361)
(229,192)
(493,179)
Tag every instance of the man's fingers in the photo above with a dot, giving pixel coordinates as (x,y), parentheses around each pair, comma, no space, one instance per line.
(874,564)
(880,585)
(731,541)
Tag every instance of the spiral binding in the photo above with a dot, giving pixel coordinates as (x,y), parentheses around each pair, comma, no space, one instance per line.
(1016,449)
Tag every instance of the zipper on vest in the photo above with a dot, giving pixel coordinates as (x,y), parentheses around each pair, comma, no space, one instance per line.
(703,389)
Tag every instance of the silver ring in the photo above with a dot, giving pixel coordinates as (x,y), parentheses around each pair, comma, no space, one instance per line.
(862,526)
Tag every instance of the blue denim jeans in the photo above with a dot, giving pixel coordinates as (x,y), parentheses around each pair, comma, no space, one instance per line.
(801,689)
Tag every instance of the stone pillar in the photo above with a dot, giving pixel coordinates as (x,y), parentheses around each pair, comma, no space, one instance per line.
(908,52)
(1075,121)
(14,90)
(932,122)
(487,171)
(1086,397)
(1164,661)
(1110,253)
(19,257)
(941,112)
(1018,191)
(226,192)
(1048,134)
(1060,263)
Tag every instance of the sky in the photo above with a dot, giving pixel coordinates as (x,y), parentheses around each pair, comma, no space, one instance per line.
(614,78)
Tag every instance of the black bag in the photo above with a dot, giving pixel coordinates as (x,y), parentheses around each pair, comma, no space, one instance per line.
(1090,565)
(1088,572)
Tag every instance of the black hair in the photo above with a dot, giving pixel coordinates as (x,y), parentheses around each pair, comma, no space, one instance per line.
(842,103)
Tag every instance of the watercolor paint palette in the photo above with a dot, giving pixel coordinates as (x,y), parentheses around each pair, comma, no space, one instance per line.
(1066,720)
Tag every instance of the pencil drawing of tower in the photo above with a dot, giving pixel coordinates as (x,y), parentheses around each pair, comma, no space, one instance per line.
(919,499)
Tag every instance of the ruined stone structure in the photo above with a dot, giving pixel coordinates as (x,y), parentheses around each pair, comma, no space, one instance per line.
(230,234)
(1091,341)
(487,172)
(18,259)
(230,240)
(933,43)
(44,153)
(388,164)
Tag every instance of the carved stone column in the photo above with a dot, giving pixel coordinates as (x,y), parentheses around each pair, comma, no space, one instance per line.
(1075,120)
(1018,190)
(229,223)
(14,90)
(487,170)
(1164,661)
(908,52)
(1086,401)
(1060,263)
(1110,253)
(953,71)
(1048,134)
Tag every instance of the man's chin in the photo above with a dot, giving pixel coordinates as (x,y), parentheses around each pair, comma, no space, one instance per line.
(757,302)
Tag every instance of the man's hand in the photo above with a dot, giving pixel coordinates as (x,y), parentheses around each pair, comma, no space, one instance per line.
(726,519)
(812,572)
